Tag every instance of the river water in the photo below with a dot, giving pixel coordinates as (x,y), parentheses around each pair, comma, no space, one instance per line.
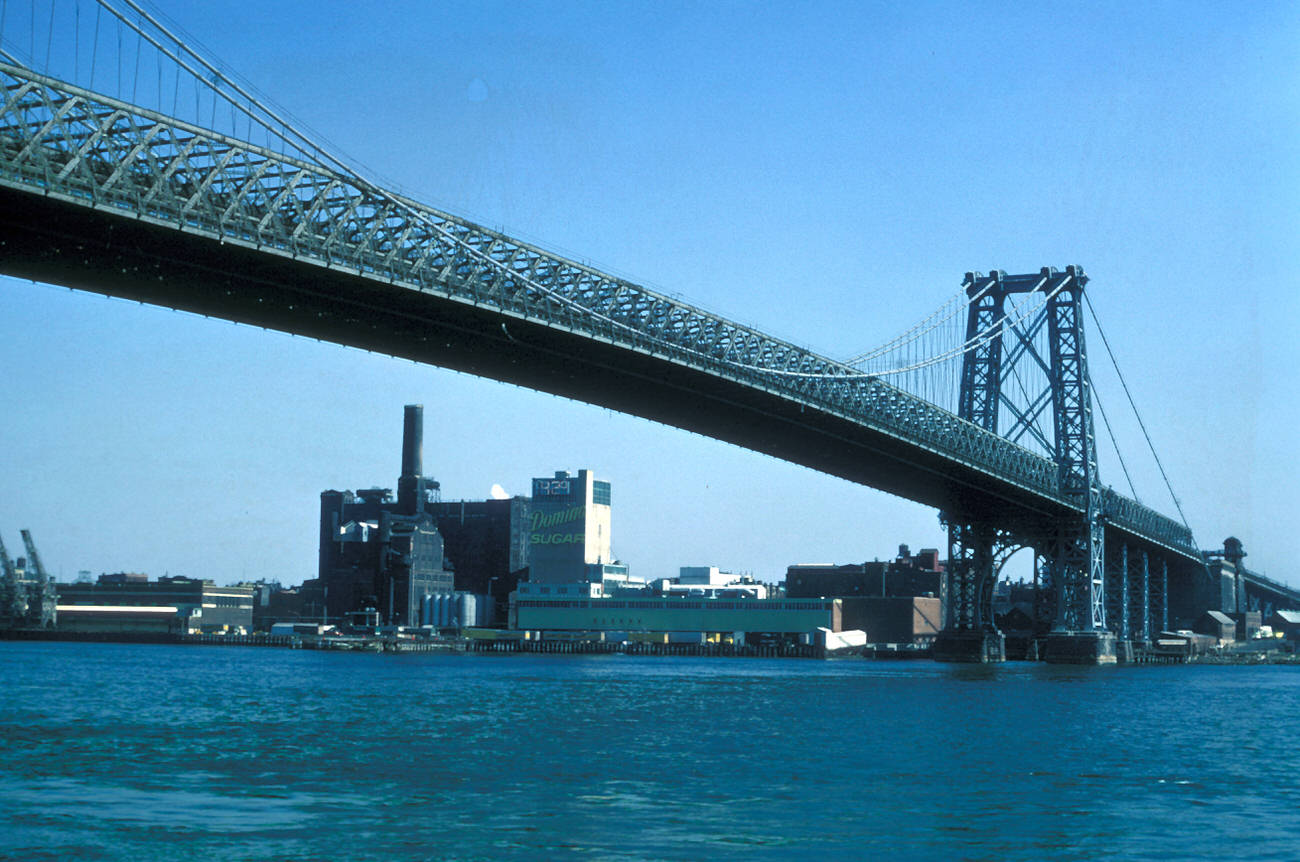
(113,751)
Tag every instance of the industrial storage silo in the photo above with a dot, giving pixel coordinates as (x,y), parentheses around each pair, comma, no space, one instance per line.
(465,606)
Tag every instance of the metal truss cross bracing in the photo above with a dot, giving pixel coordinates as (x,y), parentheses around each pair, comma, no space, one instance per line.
(980,393)
(976,553)
(1073,544)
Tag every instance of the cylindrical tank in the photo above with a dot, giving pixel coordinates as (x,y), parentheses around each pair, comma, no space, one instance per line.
(465,609)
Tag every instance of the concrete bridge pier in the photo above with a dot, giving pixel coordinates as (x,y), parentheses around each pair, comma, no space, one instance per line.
(970,647)
(1088,647)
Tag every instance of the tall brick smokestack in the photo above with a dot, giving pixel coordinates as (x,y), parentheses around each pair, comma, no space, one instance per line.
(409,484)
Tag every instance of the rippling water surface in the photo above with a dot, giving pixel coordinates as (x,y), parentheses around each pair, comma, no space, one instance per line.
(141,752)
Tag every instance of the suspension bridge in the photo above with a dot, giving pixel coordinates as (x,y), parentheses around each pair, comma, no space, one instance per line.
(174,184)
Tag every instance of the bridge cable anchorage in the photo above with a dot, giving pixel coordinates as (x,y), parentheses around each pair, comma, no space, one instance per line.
(1168,485)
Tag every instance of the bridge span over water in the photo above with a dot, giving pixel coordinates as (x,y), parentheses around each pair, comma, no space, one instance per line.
(108,196)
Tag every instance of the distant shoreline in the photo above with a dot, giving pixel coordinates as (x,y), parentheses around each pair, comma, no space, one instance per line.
(1243,657)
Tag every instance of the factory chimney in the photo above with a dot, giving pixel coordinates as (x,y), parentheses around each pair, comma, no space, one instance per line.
(410,485)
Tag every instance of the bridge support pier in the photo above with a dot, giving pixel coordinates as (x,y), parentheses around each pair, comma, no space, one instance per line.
(969,634)
(970,647)
(1066,647)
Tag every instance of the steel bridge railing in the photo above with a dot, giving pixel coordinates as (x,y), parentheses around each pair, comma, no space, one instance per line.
(61,140)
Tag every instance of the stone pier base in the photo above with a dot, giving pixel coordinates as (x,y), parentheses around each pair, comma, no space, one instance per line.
(970,647)
(1079,648)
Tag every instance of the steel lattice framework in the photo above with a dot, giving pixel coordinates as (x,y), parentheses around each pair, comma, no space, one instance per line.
(85,149)
(1078,548)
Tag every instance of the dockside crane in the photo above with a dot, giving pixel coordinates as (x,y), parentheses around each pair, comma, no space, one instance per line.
(41,609)
(13,597)
(6,564)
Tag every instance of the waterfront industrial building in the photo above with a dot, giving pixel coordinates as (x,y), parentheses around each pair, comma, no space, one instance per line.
(894,619)
(905,576)
(893,602)
(676,614)
(383,553)
(577,586)
(569,534)
(485,543)
(413,557)
(569,539)
(130,602)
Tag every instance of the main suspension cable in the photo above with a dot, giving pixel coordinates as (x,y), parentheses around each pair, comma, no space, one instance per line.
(1123,383)
(1105,420)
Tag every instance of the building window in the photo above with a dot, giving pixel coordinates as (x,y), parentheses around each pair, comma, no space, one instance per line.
(600,493)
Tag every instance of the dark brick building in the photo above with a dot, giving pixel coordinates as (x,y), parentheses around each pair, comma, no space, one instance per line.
(906,576)
(389,553)
(380,552)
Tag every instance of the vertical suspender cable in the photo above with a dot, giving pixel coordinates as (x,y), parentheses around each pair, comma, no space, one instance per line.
(94,46)
(135,78)
(49,39)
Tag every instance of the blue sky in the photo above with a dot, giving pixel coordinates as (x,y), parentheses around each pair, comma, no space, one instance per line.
(826,172)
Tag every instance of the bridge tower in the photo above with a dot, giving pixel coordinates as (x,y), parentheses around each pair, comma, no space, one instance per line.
(1071,547)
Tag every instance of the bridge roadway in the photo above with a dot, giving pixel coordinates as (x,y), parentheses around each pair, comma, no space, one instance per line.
(103,196)
(1266,592)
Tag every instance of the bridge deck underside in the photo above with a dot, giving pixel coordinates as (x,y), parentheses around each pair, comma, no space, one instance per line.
(46,240)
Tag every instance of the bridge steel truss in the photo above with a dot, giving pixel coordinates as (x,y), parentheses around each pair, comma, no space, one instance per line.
(1091,592)
(71,150)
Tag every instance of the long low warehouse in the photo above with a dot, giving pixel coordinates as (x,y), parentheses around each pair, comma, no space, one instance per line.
(676,614)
